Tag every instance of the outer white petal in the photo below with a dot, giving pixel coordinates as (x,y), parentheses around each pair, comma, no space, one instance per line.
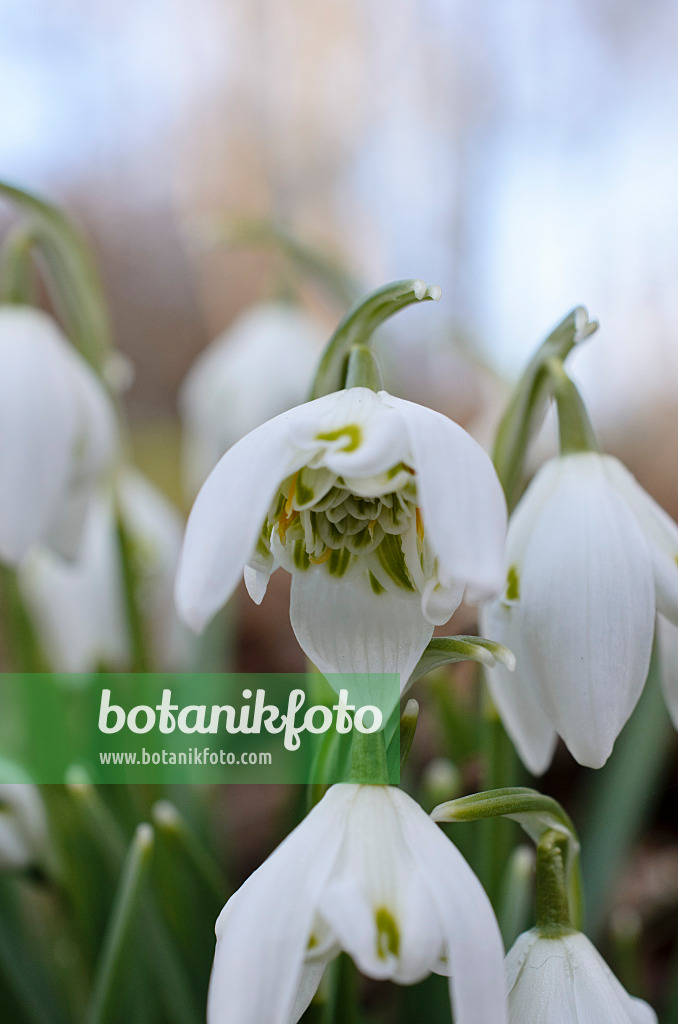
(541,985)
(38,423)
(344,626)
(514,694)
(462,502)
(586,610)
(667,636)
(469,927)
(599,997)
(24,838)
(78,605)
(660,532)
(227,517)
(259,367)
(264,929)
(375,872)
(376,440)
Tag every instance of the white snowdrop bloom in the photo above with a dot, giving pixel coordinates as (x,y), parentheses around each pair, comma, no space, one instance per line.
(564,980)
(368,872)
(591,558)
(57,435)
(260,366)
(79,606)
(24,838)
(382,510)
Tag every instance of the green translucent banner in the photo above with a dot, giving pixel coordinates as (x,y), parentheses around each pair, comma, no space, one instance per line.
(195,728)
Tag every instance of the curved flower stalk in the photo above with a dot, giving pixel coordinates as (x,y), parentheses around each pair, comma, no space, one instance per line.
(24,836)
(58,435)
(591,559)
(259,367)
(367,872)
(79,606)
(383,511)
(564,978)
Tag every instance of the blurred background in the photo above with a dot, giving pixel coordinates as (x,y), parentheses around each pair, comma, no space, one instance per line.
(523,156)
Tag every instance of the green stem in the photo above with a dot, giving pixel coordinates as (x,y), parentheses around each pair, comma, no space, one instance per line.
(17,284)
(574,426)
(553,911)
(369,766)
(358,326)
(122,917)
(20,635)
(363,369)
(500,768)
(140,660)
(529,401)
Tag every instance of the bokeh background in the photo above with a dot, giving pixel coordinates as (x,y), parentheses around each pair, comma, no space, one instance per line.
(523,156)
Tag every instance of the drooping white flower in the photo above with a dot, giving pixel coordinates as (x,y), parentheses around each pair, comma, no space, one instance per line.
(383,511)
(79,606)
(368,872)
(57,435)
(566,980)
(24,838)
(591,558)
(259,367)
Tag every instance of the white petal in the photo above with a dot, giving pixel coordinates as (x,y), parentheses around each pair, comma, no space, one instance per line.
(38,423)
(462,502)
(375,440)
(586,610)
(599,997)
(543,989)
(259,367)
(227,518)
(514,694)
(256,582)
(344,626)
(660,532)
(667,638)
(376,880)
(474,946)
(311,976)
(264,929)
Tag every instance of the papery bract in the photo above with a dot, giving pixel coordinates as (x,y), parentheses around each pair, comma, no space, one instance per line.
(367,871)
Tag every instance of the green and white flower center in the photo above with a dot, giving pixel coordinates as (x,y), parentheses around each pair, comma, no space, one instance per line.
(319,518)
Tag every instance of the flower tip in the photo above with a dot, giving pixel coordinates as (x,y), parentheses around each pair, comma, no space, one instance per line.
(583,327)
(419,288)
(144,836)
(435,292)
(165,816)
(443,813)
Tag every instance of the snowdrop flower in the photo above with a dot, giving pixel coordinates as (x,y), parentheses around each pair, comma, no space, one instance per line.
(24,839)
(259,367)
(79,606)
(382,510)
(367,872)
(565,979)
(591,558)
(57,434)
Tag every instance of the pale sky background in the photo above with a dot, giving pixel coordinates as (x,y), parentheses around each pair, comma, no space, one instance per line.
(522,155)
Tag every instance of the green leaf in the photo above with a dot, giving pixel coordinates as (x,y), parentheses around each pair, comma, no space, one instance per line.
(358,326)
(446,650)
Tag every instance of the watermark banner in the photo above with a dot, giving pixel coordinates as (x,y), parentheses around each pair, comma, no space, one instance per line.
(195,728)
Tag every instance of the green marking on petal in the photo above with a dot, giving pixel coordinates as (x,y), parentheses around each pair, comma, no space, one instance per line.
(512,584)
(376,585)
(338,562)
(392,559)
(312,942)
(351,431)
(388,935)
(300,556)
